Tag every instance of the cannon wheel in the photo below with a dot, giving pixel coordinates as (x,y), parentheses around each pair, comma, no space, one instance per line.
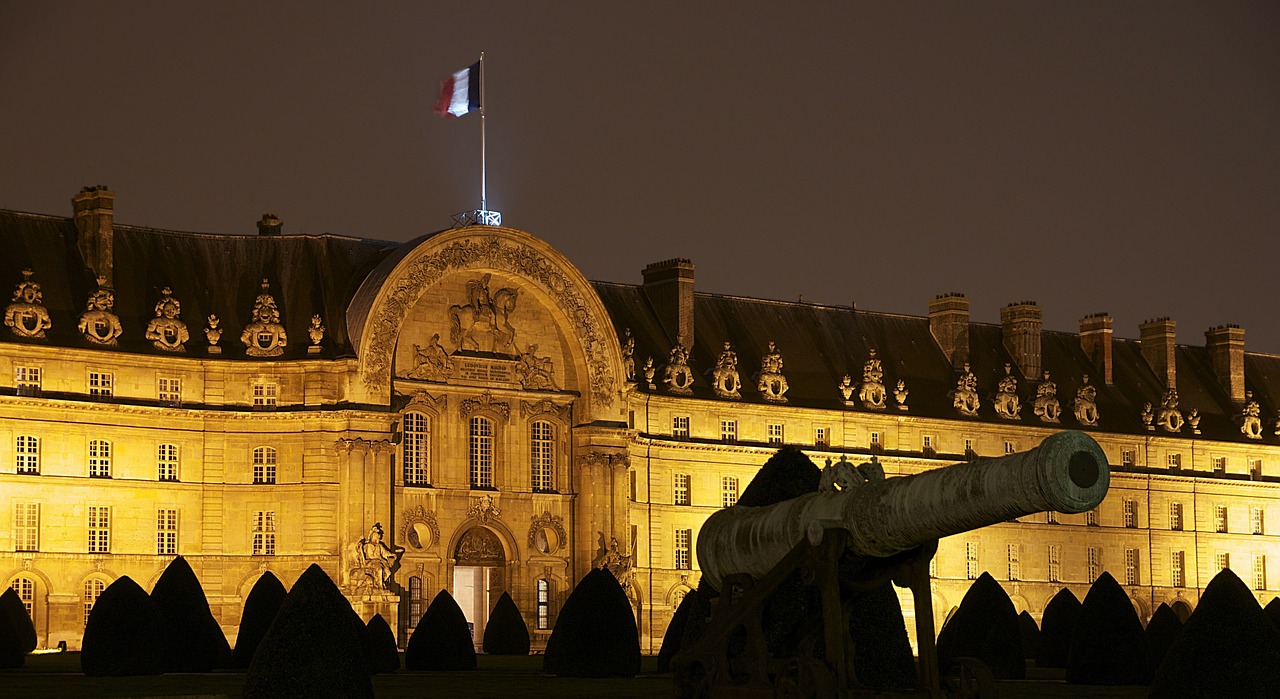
(969,678)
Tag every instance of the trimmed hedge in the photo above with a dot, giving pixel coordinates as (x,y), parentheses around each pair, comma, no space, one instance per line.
(674,638)
(985,627)
(384,655)
(260,609)
(787,474)
(1161,630)
(1109,645)
(1057,625)
(506,633)
(595,634)
(314,648)
(193,640)
(17,634)
(1272,610)
(1030,632)
(441,641)
(124,634)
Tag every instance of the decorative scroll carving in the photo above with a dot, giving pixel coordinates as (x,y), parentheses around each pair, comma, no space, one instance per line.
(965,396)
(539,540)
(431,363)
(845,387)
(484,324)
(724,377)
(415,522)
(479,545)
(772,384)
(98,324)
(265,336)
(213,334)
(315,331)
(1046,405)
(361,445)
(900,394)
(483,509)
(166,331)
(1007,403)
(536,373)
(1251,417)
(677,375)
(26,316)
(601,459)
(628,357)
(541,407)
(871,392)
(648,373)
(486,403)
(422,399)
(1170,418)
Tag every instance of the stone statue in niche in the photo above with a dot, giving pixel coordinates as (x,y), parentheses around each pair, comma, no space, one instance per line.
(315,331)
(846,389)
(900,394)
(265,336)
(724,377)
(648,373)
(1046,405)
(165,331)
(1007,403)
(1147,416)
(213,334)
(536,373)
(628,356)
(377,560)
(431,363)
(1085,406)
(965,397)
(1193,419)
(772,384)
(484,324)
(1170,418)
(26,316)
(98,323)
(871,392)
(1251,417)
(677,375)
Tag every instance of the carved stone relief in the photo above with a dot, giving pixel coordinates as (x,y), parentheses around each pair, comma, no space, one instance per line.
(1251,417)
(422,399)
(900,394)
(547,534)
(1046,405)
(1170,418)
(676,374)
(771,383)
(265,336)
(431,363)
(484,508)
(213,334)
(166,331)
(26,316)
(1085,406)
(724,377)
(420,529)
(98,323)
(536,373)
(485,402)
(871,392)
(1007,403)
(628,357)
(601,459)
(845,387)
(315,331)
(479,545)
(484,323)
(528,409)
(965,396)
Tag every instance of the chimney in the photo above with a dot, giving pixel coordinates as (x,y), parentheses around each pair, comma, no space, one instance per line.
(669,287)
(1226,353)
(949,323)
(1095,340)
(94,209)
(270,225)
(1157,340)
(1021,323)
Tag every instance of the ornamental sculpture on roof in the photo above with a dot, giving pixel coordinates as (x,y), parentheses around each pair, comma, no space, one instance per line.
(98,324)
(166,331)
(1251,417)
(1007,403)
(649,371)
(27,316)
(213,334)
(265,336)
(1046,405)
(724,377)
(316,332)
(965,397)
(628,356)
(1170,418)
(484,324)
(845,387)
(677,375)
(1148,415)
(871,392)
(1193,420)
(900,394)
(1085,406)
(772,384)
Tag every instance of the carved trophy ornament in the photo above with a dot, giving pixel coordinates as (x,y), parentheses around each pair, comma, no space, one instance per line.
(900,394)
(1085,406)
(1170,418)
(26,316)
(98,323)
(771,383)
(316,332)
(431,363)
(871,392)
(484,323)
(166,331)
(1251,417)
(649,371)
(1147,416)
(483,509)
(1193,419)
(1007,403)
(629,356)
(677,375)
(1046,405)
(536,373)
(845,387)
(265,336)
(724,377)
(213,334)
(965,397)
(376,561)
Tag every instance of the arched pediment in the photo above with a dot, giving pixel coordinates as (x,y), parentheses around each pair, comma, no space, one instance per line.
(381,306)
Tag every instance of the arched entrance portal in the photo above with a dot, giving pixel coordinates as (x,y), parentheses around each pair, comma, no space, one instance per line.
(478,577)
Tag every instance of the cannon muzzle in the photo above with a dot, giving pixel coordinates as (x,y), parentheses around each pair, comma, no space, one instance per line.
(1067,473)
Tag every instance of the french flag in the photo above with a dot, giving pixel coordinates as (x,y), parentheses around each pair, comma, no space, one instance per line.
(460,92)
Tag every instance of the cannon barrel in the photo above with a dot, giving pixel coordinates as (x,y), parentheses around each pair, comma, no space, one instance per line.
(1068,473)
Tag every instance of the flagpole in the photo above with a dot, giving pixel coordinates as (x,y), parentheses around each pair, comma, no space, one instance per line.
(484,199)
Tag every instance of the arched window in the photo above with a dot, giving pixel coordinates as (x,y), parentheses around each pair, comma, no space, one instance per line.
(93,588)
(544,604)
(26,589)
(542,455)
(167,462)
(264,465)
(480,456)
(27,451)
(99,458)
(416,450)
(417,600)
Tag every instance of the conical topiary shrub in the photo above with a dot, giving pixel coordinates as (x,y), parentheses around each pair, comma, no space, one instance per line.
(1057,624)
(1272,610)
(787,474)
(671,642)
(384,655)
(193,640)
(1109,646)
(1161,630)
(985,627)
(506,633)
(124,633)
(17,633)
(1030,632)
(1227,648)
(441,641)
(260,609)
(595,634)
(313,648)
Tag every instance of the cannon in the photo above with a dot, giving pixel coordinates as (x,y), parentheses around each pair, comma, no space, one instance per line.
(856,533)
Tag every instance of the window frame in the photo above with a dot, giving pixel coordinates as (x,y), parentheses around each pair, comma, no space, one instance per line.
(26,455)
(99,458)
(542,456)
(167,531)
(415,448)
(26,527)
(264,533)
(481,452)
(99,529)
(168,462)
(266,462)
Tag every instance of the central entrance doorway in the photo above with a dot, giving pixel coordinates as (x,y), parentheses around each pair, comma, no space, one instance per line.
(478,577)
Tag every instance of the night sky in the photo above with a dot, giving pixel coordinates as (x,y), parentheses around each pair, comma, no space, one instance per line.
(1092,156)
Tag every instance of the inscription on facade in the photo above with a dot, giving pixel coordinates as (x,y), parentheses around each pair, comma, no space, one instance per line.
(486,370)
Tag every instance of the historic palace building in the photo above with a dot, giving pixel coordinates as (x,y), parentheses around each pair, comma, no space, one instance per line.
(466,411)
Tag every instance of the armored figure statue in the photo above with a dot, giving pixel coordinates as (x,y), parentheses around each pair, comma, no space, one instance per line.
(1147,415)
(1007,403)
(772,384)
(98,323)
(677,375)
(376,559)
(265,336)
(965,397)
(1170,418)
(649,371)
(871,392)
(1251,418)
(1046,405)
(166,331)
(535,373)
(1085,406)
(1193,419)
(628,356)
(725,374)
(26,316)
(900,394)
(846,389)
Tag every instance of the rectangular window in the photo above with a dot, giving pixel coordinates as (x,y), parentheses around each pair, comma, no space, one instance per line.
(1015,564)
(1091,519)
(1175,460)
(684,539)
(27,454)
(821,437)
(1255,519)
(971,560)
(264,465)
(1055,563)
(415,450)
(928,444)
(681,489)
(169,391)
(729,430)
(1176,566)
(167,462)
(1126,457)
(1051,517)
(1131,514)
(631,486)
(99,530)
(27,380)
(26,526)
(1131,566)
(264,395)
(1220,518)
(680,426)
(875,443)
(1255,468)
(544,604)
(1219,465)
(775,433)
(1175,516)
(264,533)
(968,448)
(480,456)
(542,456)
(933,566)
(1222,560)
(1259,572)
(1093,563)
(1010,447)
(99,458)
(101,384)
(728,491)
(167,532)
